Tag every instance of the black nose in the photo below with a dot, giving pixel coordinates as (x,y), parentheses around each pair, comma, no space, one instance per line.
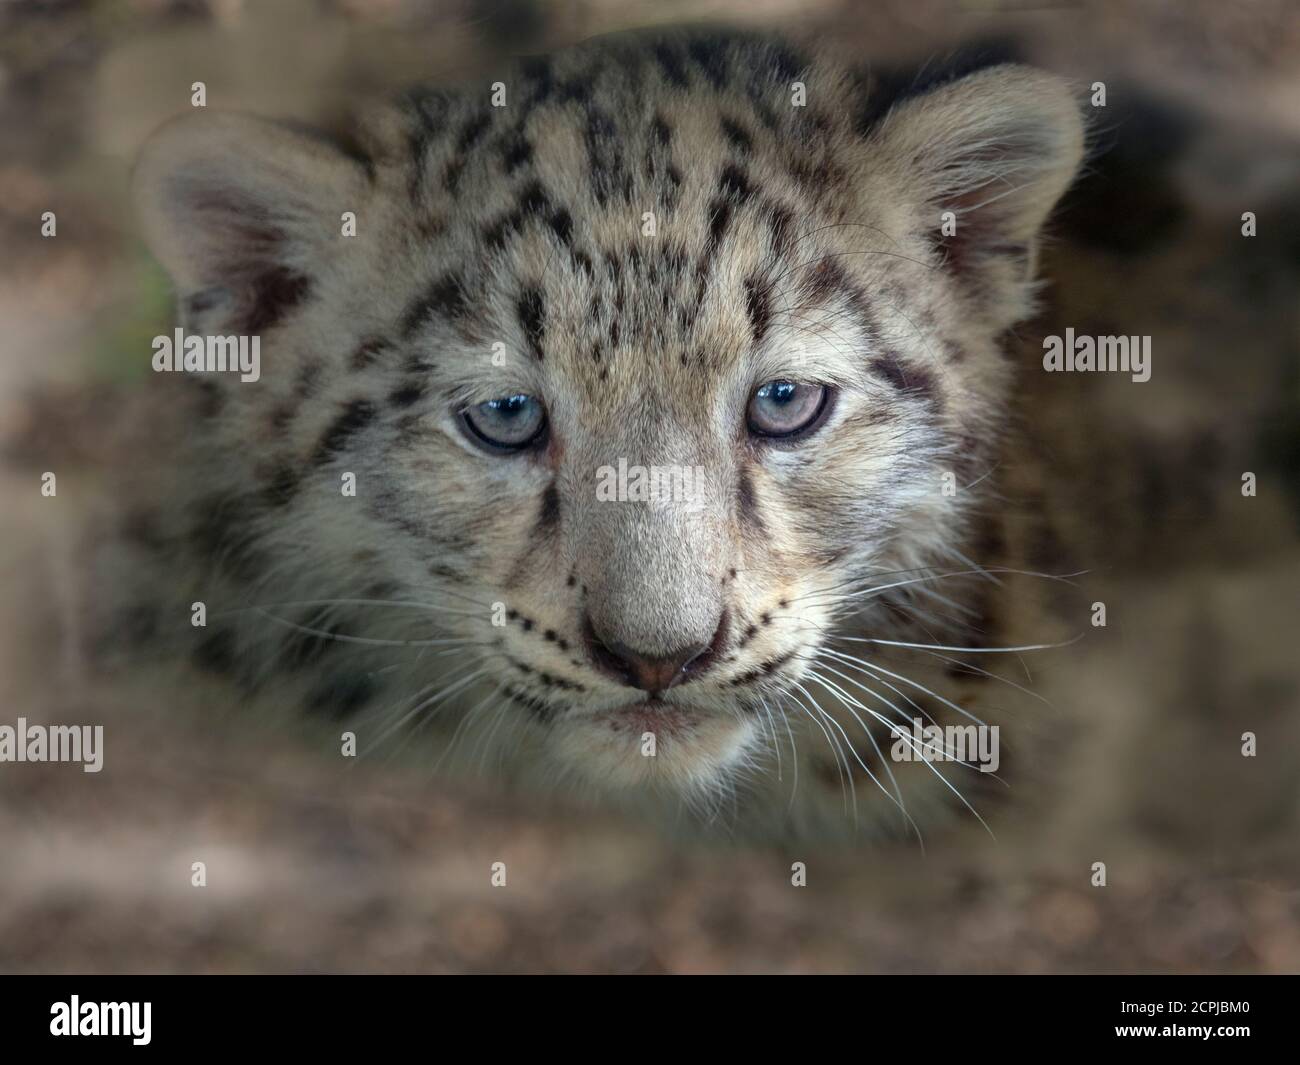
(651,673)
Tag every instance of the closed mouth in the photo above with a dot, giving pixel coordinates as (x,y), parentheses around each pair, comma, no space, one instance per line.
(651,715)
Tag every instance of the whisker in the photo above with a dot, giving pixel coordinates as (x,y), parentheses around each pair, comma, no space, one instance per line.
(794,754)
(830,742)
(367,641)
(949,785)
(860,663)
(897,798)
(964,650)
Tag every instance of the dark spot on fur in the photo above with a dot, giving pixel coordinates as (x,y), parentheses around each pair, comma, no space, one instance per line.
(542,711)
(765,670)
(534,199)
(561,223)
(516,152)
(786,64)
(781,220)
(575,90)
(274,294)
(451,175)
(719,220)
(472,131)
(407,394)
(445,299)
(548,517)
(608,173)
(369,352)
(909,379)
(758,305)
(281,485)
(711,55)
(737,135)
(733,183)
(356,415)
(670,62)
(532,319)
(823,280)
(429,109)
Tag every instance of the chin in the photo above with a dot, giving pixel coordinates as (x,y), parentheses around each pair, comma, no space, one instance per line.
(695,750)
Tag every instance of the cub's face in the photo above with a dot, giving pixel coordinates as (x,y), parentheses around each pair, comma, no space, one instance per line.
(645,379)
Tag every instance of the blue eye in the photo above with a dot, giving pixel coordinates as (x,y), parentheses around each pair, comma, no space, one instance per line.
(510,423)
(786,408)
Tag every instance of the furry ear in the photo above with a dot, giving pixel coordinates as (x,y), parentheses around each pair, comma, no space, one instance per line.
(238,209)
(997,148)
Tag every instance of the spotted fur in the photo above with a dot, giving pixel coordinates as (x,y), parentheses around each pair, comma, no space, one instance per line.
(647,231)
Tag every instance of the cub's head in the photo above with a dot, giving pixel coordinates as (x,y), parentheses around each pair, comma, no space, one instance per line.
(644,359)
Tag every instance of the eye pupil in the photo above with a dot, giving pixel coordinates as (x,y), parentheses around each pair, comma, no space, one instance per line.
(507,423)
(508,407)
(784,408)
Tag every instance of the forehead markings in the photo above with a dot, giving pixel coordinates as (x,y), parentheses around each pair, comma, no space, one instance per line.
(597,133)
(758,305)
(427,110)
(607,171)
(660,169)
(444,298)
(531,311)
(733,190)
(516,150)
(825,280)
(711,56)
(671,64)
(471,132)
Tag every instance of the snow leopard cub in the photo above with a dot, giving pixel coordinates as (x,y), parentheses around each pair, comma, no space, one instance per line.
(620,418)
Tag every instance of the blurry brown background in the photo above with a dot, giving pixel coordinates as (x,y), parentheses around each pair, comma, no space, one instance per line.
(381,868)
